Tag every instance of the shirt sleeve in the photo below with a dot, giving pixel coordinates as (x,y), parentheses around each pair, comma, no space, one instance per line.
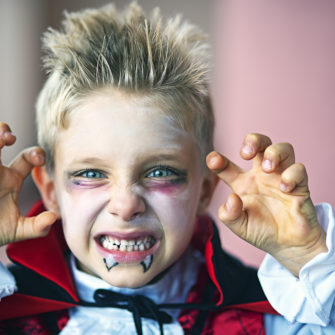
(7,282)
(308,299)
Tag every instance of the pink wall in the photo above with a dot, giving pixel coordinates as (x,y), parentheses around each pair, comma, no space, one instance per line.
(275,74)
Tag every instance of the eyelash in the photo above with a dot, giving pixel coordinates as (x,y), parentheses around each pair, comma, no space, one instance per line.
(168,175)
(81,174)
(171,173)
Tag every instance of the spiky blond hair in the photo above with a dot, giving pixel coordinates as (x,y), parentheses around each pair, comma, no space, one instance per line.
(103,47)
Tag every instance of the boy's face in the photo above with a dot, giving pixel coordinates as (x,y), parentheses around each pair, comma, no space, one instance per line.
(128,185)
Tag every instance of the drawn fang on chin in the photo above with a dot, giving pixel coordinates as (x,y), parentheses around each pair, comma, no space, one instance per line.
(110,262)
(146,263)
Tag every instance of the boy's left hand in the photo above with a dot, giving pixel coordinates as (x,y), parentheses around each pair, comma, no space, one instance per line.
(271,206)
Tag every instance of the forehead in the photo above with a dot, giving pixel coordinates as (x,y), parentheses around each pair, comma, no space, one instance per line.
(114,122)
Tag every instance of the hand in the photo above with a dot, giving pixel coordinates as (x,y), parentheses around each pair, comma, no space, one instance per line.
(14,226)
(271,207)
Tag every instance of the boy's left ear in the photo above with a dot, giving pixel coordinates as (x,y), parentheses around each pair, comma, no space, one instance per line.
(46,186)
(208,187)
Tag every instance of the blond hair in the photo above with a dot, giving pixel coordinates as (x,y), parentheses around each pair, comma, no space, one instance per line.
(126,50)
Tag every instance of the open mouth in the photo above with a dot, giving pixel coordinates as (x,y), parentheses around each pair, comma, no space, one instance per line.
(139,244)
(127,249)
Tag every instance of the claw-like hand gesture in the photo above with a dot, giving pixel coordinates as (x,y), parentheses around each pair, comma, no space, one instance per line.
(14,226)
(271,206)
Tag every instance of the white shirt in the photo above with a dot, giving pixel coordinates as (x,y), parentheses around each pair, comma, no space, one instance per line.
(306,302)
(172,288)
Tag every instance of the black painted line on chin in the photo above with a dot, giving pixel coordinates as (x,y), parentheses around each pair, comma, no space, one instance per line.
(146,265)
(110,267)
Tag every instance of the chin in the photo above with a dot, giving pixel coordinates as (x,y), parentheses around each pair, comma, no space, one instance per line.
(125,277)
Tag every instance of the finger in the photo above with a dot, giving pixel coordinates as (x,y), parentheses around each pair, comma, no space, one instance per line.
(278,156)
(27,159)
(294,178)
(223,167)
(254,146)
(232,215)
(36,226)
(6,136)
(4,127)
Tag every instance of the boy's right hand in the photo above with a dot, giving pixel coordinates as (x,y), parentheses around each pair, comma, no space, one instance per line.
(14,226)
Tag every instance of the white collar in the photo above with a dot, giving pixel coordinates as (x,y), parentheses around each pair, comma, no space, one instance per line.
(172,288)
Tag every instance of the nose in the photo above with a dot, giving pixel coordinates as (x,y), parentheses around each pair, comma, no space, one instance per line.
(126,203)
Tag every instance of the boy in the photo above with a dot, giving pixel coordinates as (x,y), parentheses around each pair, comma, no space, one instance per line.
(125,123)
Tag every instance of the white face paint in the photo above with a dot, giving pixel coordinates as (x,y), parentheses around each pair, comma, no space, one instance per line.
(128,184)
(110,262)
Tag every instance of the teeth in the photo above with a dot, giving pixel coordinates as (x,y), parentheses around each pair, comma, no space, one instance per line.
(111,243)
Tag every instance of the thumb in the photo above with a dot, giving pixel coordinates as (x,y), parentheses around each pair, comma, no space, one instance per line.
(233,216)
(35,226)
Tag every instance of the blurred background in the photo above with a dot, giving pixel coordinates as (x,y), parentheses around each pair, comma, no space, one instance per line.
(273,73)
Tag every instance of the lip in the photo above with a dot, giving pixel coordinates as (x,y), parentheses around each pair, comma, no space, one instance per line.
(126,257)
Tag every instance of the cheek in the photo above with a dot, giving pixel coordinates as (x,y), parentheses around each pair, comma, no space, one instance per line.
(167,187)
(176,207)
(79,209)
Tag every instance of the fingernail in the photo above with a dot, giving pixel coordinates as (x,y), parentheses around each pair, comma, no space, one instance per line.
(38,156)
(267,165)
(283,187)
(229,205)
(8,133)
(212,158)
(248,150)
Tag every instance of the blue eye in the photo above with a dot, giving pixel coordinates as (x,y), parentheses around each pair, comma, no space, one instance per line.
(161,173)
(90,174)
(166,174)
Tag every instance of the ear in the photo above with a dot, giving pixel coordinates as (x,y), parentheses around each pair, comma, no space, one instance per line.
(207,190)
(46,186)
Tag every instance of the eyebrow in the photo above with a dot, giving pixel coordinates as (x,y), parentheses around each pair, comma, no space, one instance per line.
(162,157)
(87,160)
(148,158)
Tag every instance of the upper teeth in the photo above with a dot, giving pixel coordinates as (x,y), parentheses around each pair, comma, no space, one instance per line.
(141,244)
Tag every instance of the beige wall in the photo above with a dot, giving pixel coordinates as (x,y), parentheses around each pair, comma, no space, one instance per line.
(21,24)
